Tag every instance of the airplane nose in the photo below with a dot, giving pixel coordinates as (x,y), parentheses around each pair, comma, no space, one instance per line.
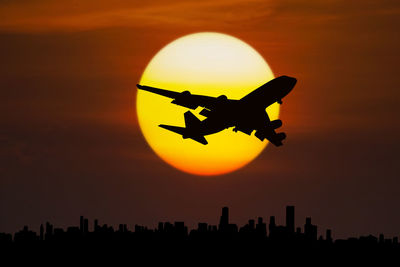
(293,81)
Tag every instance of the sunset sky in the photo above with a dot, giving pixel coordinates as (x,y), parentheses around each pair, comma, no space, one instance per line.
(70,143)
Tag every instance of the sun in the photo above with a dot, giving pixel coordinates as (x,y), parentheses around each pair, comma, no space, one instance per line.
(210,64)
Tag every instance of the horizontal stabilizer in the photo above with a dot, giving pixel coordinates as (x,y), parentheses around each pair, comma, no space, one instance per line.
(201,139)
(183,131)
(175,129)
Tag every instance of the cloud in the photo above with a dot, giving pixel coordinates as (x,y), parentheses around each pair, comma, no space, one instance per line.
(38,16)
(52,16)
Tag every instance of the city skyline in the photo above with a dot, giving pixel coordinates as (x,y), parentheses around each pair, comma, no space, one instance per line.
(255,228)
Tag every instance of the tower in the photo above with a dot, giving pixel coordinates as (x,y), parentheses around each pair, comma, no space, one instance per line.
(329,235)
(224,220)
(81,224)
(290,219)
(310,230)
(96,225)
(261,227)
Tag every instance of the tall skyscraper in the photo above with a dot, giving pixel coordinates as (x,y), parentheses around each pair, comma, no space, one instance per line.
(96,225)
(81,224)
(224,220)
(49,231)
(290,219)
(272,224)
(310,230)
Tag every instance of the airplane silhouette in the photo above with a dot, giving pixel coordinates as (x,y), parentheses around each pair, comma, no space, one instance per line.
(246,114)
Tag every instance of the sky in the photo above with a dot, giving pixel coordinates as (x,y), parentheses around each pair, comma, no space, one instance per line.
(70,143)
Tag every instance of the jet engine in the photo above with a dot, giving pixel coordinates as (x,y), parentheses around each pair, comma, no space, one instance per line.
(184,99)
(247,131)
(260,134)
(222,98)
(275,124)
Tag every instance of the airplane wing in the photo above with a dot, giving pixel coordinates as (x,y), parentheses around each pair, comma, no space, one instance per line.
(265,128)
(272,136)
(267,131)
(184,99)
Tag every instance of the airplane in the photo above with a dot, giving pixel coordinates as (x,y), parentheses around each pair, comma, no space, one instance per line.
(247,114)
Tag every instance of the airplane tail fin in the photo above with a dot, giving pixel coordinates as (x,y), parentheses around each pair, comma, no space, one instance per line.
(191,123)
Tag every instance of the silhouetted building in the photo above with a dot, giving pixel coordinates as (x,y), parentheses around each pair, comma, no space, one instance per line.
(290,219)
(25,236)
(329,235)
(81,223)
(5,239)
(49,231)
(272,224)
(160,227)
(261,227)
(96,225)
(60,232)
(168,228)
(180,228)
(202,227)
(224,220)
(310,230)
(251,225)
(212,228)
(85,226)
(41,237)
